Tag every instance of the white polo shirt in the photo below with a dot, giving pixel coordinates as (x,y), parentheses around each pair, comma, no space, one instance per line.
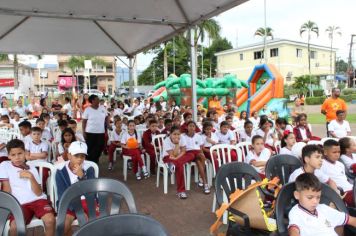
(168,145)
(340,129)
(46,135)
(114,136)
(226,138)
(336,172)
(286,151)
(192,143)
(322,223)
(20,187)
(269,139)
(36,148)
(125,136)
(213,137)
(21,111)
(95,120)
(68,108)
(252,156)
(318,173)
(247,138)
(349,161)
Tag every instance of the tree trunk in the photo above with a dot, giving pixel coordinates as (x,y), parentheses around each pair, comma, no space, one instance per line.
(16,72)
(165,63)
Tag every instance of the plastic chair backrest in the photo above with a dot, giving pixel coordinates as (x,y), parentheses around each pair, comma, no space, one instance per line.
(277,146)
(157,142)
(285,201)
(244,147)
(328,138)
(223,153)
(282,166)
(105,194)
(125,224)
(232,176)
(10,205)
(315,142)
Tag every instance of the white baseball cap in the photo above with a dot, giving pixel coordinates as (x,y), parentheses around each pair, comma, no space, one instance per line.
(78,147)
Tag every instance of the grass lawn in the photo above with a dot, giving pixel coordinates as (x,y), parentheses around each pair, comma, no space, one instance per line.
(320,119)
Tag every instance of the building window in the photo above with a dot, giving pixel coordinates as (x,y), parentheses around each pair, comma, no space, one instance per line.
(313,54)
(258,55)
(299,52)
(241,56)
(110,89)
(274,52)
(109,79)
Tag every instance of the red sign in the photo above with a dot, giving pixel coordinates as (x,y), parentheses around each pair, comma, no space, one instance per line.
(66,82)
(8,82)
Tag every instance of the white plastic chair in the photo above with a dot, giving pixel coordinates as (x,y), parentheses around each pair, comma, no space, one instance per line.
(157,142)
(146,159)
(277,146)
(328,138)
(237,134)
(188,170)
(315,142)
(244,147)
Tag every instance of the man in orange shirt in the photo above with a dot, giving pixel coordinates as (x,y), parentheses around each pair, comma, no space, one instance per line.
(331,105)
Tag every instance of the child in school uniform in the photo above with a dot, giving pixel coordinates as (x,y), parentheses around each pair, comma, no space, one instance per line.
(75,169)
(62,124)
(301,131)
(266,132)
(255,119)
(46,134)
(167,126)
(348,153)
(209,139)
(312,157)
(131,146)
(174,154)
(115,142)
(339,127)
(78,135)
(226,136)
(68,137)
(25,130)
(194,143)
(333,168)
(308,217)
(287,143)
(36,149)
(187,118)
(147,143)
(248,132)
(259,155)
(281,126)
(23,182)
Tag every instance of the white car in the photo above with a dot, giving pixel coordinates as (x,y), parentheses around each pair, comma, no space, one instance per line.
(94,92)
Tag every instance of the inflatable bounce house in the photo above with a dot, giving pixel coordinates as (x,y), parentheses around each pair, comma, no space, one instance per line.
(264,86)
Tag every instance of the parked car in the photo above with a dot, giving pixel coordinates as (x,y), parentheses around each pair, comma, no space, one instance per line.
(93,91)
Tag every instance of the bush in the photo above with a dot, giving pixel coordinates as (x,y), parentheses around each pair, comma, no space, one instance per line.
(347,98)
(315,100)
(318,92)
(349,91)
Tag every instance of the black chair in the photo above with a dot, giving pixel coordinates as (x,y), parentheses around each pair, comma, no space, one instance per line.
(124,224)
(107,193)
(9,204)
(285,202)
(282,166)
(229,178)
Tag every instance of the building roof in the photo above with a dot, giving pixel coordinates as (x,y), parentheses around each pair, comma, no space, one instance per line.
(272,42)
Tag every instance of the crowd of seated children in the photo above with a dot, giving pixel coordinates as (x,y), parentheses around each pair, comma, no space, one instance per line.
(309,217)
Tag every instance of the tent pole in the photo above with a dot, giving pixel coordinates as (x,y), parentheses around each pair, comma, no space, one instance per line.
(131,75)
(193,65)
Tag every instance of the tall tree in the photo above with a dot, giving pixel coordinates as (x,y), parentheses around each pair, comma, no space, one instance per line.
(309,27)
(262,32)
(331,31)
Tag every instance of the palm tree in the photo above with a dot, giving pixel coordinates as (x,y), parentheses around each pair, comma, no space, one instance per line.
(309,27)
(265,33)
(331,31)
(4,57)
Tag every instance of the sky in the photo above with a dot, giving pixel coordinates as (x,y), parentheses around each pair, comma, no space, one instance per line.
(285,18)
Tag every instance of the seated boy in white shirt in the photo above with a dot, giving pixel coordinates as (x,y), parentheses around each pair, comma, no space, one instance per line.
(74,170)
(36,149)
(78,135)
(339,127)
(312,161)
(309,218)
(25,130)
(23,182)
(333,168)
(259,155)
(46,134)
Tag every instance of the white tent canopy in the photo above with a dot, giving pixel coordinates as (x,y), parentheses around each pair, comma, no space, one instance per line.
(98,27)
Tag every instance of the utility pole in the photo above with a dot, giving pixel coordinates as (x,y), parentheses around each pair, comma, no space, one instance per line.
(350,69)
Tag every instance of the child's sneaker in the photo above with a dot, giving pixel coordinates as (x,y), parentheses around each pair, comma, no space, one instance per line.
(200,183)
(110,167)
(206,189)
(144,172)
(138,175)
(182,195)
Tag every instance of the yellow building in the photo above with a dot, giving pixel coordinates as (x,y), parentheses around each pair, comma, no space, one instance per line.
(290,57)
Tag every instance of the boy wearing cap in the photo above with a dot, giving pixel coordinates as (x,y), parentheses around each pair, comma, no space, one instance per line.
(74,170)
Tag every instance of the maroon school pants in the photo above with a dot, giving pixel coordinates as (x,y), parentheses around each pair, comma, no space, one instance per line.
(179,169)
(111,150)
(135,155)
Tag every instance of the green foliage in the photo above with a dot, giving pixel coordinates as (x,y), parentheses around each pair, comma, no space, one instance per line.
(4,57)
(348,98)
(318,92)
(78,62)
(341,86)
(262,31)
(301,83)
(341,67)
(314,100)
(348,91)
